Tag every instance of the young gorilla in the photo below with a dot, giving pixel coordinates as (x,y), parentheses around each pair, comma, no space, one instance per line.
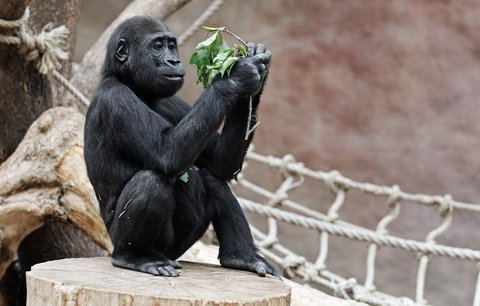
(140,138)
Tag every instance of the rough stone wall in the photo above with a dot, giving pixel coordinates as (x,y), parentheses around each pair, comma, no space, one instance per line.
(384,91)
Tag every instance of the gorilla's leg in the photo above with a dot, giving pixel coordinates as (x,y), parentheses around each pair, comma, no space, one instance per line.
(143,215)
(237,249)
(193,213)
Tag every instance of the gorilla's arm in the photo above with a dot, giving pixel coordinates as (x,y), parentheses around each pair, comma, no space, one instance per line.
(150,140)
(224,153)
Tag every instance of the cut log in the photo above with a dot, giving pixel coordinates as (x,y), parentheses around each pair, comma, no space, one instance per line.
(94,281)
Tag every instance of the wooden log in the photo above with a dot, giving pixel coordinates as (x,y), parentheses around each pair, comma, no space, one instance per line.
(94,281)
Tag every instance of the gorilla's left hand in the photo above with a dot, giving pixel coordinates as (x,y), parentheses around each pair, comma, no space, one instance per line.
(255,49)
(254,263)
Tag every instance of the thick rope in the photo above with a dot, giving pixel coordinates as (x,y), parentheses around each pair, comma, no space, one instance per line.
(45,50)
(330,224)
(361,234)
(297,266)
(346,183)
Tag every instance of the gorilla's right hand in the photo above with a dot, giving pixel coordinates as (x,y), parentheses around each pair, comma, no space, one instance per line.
(247,75)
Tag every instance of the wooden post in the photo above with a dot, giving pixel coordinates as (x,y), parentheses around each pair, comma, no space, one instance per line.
(94,281)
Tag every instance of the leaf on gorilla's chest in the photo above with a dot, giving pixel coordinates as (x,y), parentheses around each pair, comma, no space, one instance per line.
(213,56)
(184,177)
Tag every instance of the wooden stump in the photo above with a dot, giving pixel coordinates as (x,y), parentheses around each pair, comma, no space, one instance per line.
(94,281)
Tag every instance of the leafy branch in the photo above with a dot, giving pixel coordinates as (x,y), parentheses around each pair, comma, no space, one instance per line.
(213,56)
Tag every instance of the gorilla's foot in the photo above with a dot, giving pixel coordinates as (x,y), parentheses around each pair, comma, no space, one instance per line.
(151,265)
(253,263)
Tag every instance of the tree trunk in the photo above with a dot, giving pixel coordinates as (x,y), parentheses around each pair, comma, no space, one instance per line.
(25,95)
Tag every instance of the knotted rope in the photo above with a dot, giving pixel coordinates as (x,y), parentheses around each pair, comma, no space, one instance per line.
(45,50)
(278,206)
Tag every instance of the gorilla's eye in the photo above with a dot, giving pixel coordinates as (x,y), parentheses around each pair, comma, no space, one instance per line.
(157,45)
(172,45)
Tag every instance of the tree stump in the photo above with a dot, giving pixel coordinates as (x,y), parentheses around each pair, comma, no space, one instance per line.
(94,281)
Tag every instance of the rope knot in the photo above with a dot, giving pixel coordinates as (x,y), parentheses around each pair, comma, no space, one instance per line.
(344,288)
(46,49)
(286,161)
(292,262)
(446,205)
(278,198)
(394,196)
(332,180)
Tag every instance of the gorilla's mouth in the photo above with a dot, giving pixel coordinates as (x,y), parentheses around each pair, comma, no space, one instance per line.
(173,77)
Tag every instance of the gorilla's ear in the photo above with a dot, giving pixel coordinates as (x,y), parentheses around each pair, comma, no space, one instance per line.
(121,51)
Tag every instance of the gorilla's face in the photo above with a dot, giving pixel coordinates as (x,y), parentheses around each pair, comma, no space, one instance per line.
(169,71)
(149,63)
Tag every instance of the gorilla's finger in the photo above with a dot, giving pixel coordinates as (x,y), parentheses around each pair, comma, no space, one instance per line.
(171,270)
(272,271)
(260,49)
(262,67)
(260,269)
(269,54)
(162,271)
(175,264)
(152,270)
(167,270)
(261,58)
(250,49)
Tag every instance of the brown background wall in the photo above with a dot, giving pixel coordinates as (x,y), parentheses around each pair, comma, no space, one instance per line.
(384,91)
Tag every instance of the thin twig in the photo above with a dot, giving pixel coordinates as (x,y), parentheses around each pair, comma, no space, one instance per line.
(224,29)
(249,120)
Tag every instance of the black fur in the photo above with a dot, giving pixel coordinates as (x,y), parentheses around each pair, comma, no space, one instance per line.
(140,138)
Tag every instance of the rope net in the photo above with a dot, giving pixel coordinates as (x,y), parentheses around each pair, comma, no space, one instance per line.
(45,50)
(278,206)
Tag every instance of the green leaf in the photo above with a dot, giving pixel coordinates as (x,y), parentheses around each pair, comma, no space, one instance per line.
(199,57)
(211,75)
(223,56)
(224,47)
(208,42)
(210,29)
(227,65)
(184,177)
(242,50)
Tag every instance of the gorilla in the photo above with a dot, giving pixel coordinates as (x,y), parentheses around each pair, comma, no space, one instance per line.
(160,167)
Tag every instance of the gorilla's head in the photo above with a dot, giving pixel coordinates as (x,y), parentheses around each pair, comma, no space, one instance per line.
(142,53)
